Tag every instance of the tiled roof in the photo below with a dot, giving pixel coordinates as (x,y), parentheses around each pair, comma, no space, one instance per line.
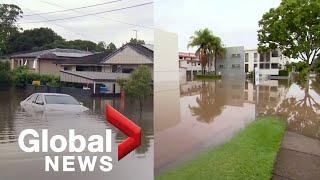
(94,59)
(53,54)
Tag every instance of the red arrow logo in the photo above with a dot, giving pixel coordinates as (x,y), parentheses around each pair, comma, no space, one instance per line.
(126,126)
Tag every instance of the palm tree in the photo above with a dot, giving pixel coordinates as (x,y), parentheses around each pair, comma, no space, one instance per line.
(209,47)
(202,39)
(218,51)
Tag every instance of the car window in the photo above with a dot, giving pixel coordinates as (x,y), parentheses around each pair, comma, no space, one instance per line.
(59,99)
(39,100)
(32,98)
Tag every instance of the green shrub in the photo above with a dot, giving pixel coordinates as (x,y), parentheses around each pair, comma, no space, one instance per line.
(22,76)
(5,76)
(283,73)
(316,67)
(208,76)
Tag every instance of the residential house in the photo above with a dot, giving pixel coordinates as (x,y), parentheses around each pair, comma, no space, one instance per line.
(100,71)
(46,61)
(189,65)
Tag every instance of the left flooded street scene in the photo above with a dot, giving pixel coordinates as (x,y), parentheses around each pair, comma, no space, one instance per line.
(76,90)
(14,119)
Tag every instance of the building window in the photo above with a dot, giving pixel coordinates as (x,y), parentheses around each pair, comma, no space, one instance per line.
(268,57)
(67,68)
(127,70)
(187,62)
(255,65)
(261,66)
(198,64)
(246,68)
(275,53)
(235,56)
(262,57)
(267,66)
(246,57)
(235,66)
(255,57)
(274,66)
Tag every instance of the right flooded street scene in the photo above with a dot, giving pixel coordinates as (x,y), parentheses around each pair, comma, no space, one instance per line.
(209,113)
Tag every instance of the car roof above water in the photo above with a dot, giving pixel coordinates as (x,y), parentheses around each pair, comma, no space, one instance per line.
(53,94)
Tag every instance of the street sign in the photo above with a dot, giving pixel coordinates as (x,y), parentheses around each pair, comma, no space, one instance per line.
(256,76)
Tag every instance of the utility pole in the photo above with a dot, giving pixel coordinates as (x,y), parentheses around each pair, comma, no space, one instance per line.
(136,31)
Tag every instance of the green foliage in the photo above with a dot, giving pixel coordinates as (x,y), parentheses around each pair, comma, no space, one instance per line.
(111,48)
(22,76)
(5,72)
(251,75)
(208,76)
(283,73)
(250,155)
(294,28)
(316,67)
(75,44)
(209,47)
(9,14)
(136,41)
(33,39)
(138,86)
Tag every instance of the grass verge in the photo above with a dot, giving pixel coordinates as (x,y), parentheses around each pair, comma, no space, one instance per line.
(208,77)
(250,155)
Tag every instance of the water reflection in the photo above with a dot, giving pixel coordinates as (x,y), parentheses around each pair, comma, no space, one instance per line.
(14,119)
(210,113)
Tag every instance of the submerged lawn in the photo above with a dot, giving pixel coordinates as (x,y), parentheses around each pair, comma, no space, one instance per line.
(250,155)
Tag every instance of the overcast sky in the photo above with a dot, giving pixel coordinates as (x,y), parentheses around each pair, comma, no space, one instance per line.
(102,27)
(234,21)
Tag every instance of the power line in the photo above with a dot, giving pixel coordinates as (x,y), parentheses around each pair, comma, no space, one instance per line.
(102,17)
(83,7)
(81,35)
(73,17)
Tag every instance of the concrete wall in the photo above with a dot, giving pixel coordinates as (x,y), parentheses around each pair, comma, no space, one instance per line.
(232,66)
(166,65)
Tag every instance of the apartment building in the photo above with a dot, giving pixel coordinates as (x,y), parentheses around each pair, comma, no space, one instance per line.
(268,63)
(232,65)
(189,65)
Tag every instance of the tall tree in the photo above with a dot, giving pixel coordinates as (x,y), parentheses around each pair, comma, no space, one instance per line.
(9,14)
(138,87)
(111,48)
(209,47)
(294,28)
(32,39)
(136,41)
(218,51)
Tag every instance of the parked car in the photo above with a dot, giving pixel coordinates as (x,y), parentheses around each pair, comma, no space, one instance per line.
(52,102)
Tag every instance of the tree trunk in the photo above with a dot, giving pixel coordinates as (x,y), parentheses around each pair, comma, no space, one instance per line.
(140,103)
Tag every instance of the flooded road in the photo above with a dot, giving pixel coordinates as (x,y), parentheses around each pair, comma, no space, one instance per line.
(16,164)
(207,114)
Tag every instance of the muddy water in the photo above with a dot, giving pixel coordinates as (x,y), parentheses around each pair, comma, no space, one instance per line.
(16,164)
(206,114)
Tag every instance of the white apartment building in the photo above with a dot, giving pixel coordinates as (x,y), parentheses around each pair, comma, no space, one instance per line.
(268,63)
(189,65)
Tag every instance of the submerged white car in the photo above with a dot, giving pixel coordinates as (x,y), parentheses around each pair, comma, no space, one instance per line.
(52,102)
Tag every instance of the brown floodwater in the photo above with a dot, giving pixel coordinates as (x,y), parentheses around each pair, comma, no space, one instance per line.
(197,115)
(16,164)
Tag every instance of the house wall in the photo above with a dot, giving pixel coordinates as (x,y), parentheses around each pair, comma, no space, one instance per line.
(48,67)
(232,65)
(128,56)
